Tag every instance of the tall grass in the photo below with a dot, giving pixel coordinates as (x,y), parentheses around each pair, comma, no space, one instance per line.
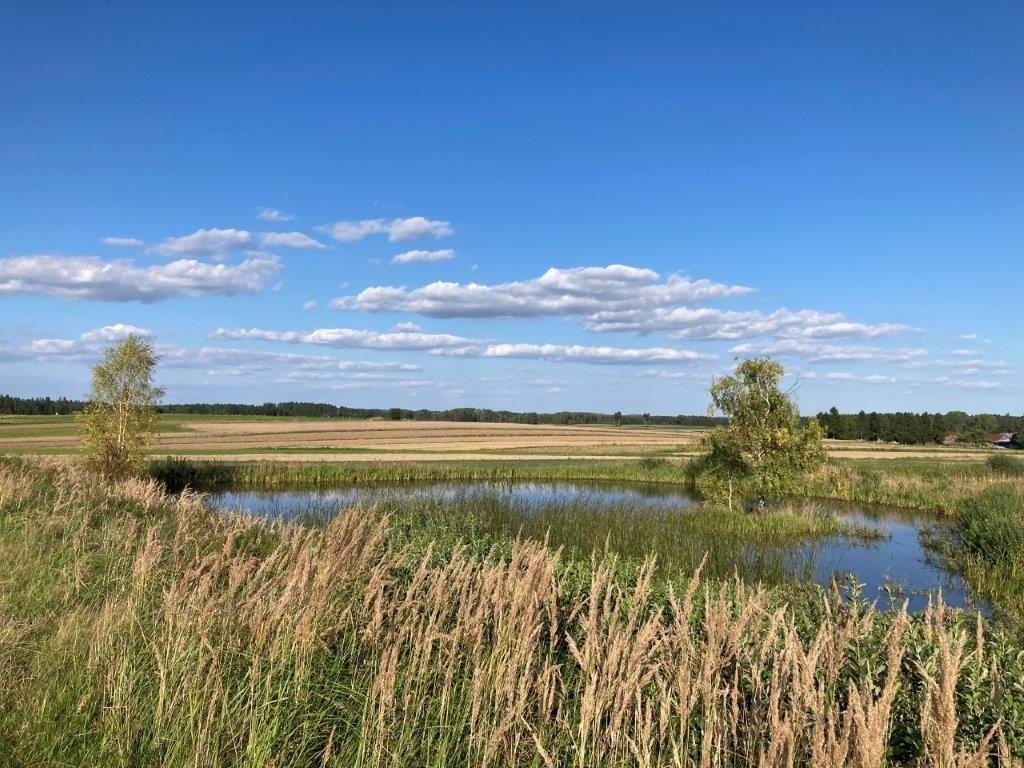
(178,473)
(940,487)
(986,547)
(137,629)
(773,549)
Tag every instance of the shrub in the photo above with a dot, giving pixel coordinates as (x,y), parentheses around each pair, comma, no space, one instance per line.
(1006,465)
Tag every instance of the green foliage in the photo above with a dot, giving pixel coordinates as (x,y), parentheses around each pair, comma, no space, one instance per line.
(991,524)
(120,417)
(763,450)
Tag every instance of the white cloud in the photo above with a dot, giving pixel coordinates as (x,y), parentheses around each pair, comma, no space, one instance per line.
(206,242)
(308,305)
(558,292)
(272,214)
(257,361)
(89,344)
(957,383)
(963,366)
(716,324)
(409,337)
(88,277)
(397,230)
(290,240)
(964,353)
(967,336)
(115,332)
(409,257)
(840,376)
(123,242)
(577,353)
(350,338)
(406,327)
(817,352)
(673,375)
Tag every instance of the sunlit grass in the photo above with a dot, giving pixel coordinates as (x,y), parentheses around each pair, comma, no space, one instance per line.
(137,630)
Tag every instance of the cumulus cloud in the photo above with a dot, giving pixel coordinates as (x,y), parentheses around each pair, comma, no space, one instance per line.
(351,338)
(206,242)
(558,292)
(89,344)
(290,240)
(272,214)
(308,305)
(397,230)
(408,257)
(123,242)
(87,277)
(576,353)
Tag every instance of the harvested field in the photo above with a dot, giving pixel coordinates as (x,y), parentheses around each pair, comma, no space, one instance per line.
(344,440)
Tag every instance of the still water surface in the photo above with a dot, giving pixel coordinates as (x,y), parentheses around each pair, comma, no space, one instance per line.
(898,563)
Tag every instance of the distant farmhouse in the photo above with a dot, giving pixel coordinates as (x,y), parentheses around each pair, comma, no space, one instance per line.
(1000,439)
(995,439)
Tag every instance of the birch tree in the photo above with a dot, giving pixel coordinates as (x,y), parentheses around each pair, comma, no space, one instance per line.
(763,451)
(120,418)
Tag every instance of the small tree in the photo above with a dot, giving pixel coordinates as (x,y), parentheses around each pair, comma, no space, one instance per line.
(120,416)
(763,450)
(618,418)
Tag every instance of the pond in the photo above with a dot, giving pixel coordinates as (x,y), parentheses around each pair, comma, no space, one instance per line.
(884,550)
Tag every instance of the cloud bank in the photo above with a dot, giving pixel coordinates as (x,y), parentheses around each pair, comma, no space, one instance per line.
(92,278)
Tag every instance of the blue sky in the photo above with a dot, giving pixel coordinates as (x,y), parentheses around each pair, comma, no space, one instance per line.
(524,206)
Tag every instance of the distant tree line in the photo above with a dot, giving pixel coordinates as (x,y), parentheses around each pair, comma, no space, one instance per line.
(45,406)
(38,406)
(909,428)
(917,428)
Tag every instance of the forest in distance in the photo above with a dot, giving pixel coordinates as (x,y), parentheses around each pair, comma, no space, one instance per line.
(900,427)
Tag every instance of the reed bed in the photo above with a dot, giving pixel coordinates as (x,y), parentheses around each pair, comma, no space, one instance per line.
(138,629)
(178,473)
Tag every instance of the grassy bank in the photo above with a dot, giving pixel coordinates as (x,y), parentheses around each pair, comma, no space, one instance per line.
(177,474)
(136,629)
(927,485)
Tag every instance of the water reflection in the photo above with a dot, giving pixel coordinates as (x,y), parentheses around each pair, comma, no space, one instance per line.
(895,567)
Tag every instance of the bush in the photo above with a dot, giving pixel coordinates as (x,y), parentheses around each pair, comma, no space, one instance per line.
(991,524)
(1005,464)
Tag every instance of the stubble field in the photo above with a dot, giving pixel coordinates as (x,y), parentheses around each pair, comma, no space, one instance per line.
(255,438)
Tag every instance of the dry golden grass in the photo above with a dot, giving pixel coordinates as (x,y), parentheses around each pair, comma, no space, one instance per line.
(224,640)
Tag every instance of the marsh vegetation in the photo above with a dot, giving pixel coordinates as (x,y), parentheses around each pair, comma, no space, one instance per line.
(143,629)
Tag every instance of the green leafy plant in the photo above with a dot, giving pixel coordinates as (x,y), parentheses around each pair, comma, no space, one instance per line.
(120,418)
(763,450)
